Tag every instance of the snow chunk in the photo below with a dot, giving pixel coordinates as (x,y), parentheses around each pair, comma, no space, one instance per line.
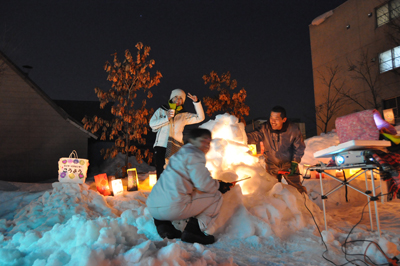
(320,19)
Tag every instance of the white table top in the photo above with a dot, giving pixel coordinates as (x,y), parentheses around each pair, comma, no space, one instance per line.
(352,145)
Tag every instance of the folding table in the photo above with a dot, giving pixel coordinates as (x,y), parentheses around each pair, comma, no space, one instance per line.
(371,195)
(365,167)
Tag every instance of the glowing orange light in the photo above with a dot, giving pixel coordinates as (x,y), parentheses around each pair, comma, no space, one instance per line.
(102,184)
(353,171)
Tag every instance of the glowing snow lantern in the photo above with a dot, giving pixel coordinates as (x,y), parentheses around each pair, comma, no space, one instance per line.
(117,187)
(102,184)
(132,179)
(253,149)
(152,180)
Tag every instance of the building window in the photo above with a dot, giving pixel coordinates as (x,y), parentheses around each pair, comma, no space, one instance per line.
(387,12)
(393,103)
(389,60)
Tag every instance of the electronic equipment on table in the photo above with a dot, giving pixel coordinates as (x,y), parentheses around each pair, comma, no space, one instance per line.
(348,155)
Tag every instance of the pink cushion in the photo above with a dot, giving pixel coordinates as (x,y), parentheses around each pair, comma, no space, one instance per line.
(360,125)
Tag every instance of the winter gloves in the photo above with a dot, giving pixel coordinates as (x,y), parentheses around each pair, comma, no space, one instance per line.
(224,187)
(294,168)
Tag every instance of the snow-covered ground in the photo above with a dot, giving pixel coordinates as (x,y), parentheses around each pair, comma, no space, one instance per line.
(262,222)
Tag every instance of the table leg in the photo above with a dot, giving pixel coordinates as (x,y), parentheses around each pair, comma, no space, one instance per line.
(369,202)
(375,202)
(323,200)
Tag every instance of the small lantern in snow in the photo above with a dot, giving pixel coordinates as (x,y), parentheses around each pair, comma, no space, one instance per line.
(102,184)
(152,180)
(117,187)
(132,179)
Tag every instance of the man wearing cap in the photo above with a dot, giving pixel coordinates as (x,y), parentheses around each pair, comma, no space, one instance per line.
(169,121)
(284,146)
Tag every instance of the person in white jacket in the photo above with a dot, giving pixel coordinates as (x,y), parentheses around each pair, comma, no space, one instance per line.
(169,121)
(187,190)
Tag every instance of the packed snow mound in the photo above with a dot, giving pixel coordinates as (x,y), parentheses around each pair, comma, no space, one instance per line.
(318,143)
(229,159)
(226,126)
(59,205)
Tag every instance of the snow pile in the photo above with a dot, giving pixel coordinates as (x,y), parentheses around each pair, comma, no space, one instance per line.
(267,205)
(318,143)
(59,205)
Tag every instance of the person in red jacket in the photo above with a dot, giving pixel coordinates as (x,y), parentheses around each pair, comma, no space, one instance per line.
(283,146)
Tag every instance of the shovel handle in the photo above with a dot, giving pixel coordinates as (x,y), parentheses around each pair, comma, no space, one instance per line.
(234,182)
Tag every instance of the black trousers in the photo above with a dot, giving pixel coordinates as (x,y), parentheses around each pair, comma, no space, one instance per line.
(159,159)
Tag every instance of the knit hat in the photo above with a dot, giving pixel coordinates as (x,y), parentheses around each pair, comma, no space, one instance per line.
(178,92)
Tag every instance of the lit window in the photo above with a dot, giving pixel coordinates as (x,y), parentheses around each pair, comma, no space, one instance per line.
(388,11)
(393,103)
(389,60)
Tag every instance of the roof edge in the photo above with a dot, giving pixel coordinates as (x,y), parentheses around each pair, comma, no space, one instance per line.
(45,97)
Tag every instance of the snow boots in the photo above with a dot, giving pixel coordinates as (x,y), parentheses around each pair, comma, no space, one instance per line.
(166,229)
(193,234)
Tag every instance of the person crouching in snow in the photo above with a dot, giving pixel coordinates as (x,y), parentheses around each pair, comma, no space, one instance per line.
(169,121)
(187,190)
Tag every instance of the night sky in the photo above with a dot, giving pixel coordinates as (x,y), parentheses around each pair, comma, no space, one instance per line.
(264,44)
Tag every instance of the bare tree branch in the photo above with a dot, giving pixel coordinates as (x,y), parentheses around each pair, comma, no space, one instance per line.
(363,69)
(334,100)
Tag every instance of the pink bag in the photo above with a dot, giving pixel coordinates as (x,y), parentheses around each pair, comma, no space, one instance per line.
(364,125)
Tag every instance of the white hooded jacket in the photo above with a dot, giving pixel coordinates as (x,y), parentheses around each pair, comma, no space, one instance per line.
(185,173)
(174,127)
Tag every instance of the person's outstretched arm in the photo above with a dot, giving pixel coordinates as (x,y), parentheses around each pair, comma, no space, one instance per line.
(199,115)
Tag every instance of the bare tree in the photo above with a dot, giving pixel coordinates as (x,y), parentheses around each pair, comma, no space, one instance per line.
(364,69)
(334,100)
(223,101)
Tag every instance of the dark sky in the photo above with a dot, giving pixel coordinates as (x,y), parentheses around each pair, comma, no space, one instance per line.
(264,44)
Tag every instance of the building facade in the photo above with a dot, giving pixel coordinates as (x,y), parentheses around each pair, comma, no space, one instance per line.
(356,61)
(34,131)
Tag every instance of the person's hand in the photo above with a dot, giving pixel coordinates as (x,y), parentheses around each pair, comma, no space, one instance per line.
(193,97)
(224,186)
(170,113)
(294,168)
